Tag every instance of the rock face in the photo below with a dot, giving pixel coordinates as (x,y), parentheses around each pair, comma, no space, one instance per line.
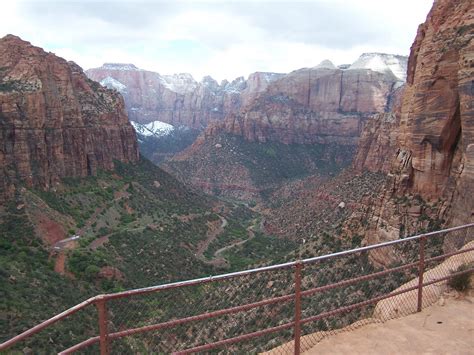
(437,116)
(379,138)
(431,149)
(317,105)
(54,121)
(178,99)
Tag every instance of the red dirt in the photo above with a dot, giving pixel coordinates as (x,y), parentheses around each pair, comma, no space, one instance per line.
(50,231)
(60,264)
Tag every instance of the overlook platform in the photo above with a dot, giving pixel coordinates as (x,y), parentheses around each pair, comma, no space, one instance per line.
(444,328)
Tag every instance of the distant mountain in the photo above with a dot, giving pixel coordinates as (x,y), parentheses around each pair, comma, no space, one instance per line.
(155,128)
(181,101)
(383,63)
(178,99)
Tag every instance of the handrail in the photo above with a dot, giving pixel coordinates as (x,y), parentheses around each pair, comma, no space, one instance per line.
(105,297)
(47,323)
(208,279)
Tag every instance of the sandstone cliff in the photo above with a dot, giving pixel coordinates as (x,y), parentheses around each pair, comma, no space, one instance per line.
(431,149)
(54,121)
(317,105)
(178,99)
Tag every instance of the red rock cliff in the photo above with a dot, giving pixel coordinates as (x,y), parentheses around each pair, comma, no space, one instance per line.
(431,149)
(318,105)
(178,99)
(54,121)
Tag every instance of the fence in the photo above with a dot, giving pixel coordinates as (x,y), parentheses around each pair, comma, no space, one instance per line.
(285,308)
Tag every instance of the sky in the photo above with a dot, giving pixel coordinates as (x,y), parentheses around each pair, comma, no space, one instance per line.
(224,39)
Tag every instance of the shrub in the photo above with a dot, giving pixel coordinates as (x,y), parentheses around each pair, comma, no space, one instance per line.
(461,282)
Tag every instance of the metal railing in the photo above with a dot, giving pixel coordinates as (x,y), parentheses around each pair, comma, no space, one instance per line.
(302,300)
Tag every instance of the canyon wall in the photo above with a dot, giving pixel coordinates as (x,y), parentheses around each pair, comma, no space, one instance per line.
(427,148)
(317,105)
(54,121)
(178,99)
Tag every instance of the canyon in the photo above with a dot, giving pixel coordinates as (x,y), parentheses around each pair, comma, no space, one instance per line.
(310,117)
(292,166)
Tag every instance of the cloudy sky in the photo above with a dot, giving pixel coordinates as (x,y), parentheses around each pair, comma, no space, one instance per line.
(222,38)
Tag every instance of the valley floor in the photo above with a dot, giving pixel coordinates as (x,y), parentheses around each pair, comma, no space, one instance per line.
(444,328)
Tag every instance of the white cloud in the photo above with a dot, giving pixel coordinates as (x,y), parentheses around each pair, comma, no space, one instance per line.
(222,38)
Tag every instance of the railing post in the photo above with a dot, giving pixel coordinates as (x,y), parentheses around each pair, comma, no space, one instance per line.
(103,329)
(421,270)
(297,330)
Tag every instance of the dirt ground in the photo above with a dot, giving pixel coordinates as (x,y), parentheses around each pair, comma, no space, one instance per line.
(446,327)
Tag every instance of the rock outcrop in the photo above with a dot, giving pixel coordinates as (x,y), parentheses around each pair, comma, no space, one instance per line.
(317,105)
(437,118)
(178,99)
(429,154)
(54,121)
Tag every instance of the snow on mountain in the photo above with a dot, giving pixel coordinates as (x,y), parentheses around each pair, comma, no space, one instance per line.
(236,86)
(155,128)
(112,83)
(119,66)
(325,64)
(384,63)
(179,83)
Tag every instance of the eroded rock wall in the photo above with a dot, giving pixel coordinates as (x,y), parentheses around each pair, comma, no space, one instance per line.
(54,121)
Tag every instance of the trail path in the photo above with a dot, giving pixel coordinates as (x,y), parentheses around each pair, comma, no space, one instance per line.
(251,234)
(59,249)
(218,260)
(212,234)
(446,327)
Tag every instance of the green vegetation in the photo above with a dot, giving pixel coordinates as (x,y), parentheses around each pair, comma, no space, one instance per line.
(269,165)
(7,86)
(461,282)
(274,162)
(261,249)
(150,228)
(31,291)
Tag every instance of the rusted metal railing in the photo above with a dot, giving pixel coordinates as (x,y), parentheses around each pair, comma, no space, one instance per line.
(296,294)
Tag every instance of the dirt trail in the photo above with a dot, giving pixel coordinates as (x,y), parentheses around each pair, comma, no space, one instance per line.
(59,265)
(60,247)
(219,261)
(251,234)
(446,327)
(212,233)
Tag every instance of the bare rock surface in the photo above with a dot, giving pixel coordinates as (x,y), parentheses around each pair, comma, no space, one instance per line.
(54,121)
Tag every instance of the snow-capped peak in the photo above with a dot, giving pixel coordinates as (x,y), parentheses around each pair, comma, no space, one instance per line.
(236,86)
(112,83)
(119,66)
(384,63)
(155,128)
(180,83)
